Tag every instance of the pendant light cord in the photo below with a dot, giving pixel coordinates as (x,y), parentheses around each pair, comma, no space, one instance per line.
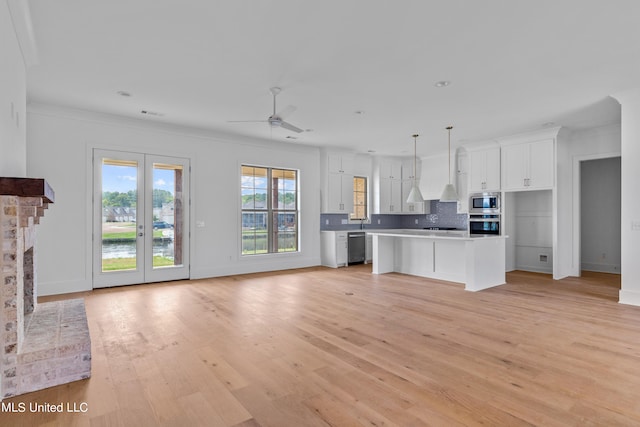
(449,129)
(415,157)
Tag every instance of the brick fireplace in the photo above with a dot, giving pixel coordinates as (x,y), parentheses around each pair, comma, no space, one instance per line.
(41,345)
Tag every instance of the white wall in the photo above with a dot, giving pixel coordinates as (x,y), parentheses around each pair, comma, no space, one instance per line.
(60,143)
(533,236)
(13,160)
(630,101)
(600,215)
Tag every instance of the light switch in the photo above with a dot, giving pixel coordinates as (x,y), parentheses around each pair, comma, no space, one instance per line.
(199,224)
(635,225)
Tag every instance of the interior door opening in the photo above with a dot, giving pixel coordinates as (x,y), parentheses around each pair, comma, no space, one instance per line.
(600,215)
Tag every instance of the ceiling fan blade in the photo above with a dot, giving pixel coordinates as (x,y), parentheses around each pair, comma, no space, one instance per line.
(286,111)
(291,127)
(247,121)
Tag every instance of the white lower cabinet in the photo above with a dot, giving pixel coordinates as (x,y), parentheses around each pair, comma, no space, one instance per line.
(334,248)
(368,248)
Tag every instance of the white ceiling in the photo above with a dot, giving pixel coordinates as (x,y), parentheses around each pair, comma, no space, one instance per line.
(514,65)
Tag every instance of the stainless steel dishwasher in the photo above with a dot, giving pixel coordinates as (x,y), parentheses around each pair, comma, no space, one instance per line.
(357,244)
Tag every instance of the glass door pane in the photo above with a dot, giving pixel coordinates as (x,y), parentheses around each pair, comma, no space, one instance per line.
(118,218)
(168,215)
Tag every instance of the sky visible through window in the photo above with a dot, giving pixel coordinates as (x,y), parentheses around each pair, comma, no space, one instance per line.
(123,179)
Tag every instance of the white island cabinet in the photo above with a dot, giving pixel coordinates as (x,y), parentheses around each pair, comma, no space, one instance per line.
(477,262)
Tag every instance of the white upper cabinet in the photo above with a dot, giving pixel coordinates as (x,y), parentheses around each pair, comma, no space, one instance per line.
(528,166)
(387,186)
(339,193)
(390,168)
(484,169)
(528,161)
(340,163)
(541,164)
(390,196)
(337,190)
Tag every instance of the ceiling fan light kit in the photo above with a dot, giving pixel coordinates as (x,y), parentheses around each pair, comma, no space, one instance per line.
(449,193)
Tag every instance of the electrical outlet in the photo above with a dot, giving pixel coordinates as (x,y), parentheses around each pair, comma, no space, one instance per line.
(635,225)
(378,222)
(416,222)
(345,221)
(326,222)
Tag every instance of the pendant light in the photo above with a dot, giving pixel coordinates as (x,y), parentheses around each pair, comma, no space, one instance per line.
(449,193)
(415,196)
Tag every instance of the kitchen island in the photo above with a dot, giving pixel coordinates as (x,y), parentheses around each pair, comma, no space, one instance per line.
(477,262)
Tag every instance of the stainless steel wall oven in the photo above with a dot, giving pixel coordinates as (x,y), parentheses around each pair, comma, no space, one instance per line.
(485,224)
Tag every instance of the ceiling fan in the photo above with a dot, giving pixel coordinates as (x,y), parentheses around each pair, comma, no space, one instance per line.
(276,119)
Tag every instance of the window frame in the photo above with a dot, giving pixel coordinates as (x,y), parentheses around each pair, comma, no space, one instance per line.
(366,218)
(272,212)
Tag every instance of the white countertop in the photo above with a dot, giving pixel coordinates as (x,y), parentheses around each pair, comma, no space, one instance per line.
(432,234)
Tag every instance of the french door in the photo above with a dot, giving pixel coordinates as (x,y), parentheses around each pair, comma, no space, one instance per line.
(141,218)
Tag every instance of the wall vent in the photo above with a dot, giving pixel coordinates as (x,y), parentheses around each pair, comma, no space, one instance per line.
(151,113)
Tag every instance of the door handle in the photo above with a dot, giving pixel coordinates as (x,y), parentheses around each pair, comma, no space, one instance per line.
(140,234)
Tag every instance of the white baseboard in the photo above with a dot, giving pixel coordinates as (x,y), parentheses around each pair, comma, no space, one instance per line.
(629,297)
(63,287)
(601,268)
(256,267)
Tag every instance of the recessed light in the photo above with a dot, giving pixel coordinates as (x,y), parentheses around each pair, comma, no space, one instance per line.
(548,124)
(442,83)
(371,151)
(359,112)
(291,137)
(124,93)
(308,130)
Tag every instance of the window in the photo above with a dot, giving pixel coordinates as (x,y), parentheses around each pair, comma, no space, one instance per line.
(359,198)
(269,210)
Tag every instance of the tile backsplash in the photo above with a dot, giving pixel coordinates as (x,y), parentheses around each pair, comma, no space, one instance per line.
(442,215)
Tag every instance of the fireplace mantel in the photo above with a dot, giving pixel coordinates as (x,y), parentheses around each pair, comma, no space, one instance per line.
(27,187)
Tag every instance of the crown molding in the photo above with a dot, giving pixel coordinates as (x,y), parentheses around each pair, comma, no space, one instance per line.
(23,28)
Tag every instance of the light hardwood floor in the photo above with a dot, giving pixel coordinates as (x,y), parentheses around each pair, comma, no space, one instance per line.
(319,347)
